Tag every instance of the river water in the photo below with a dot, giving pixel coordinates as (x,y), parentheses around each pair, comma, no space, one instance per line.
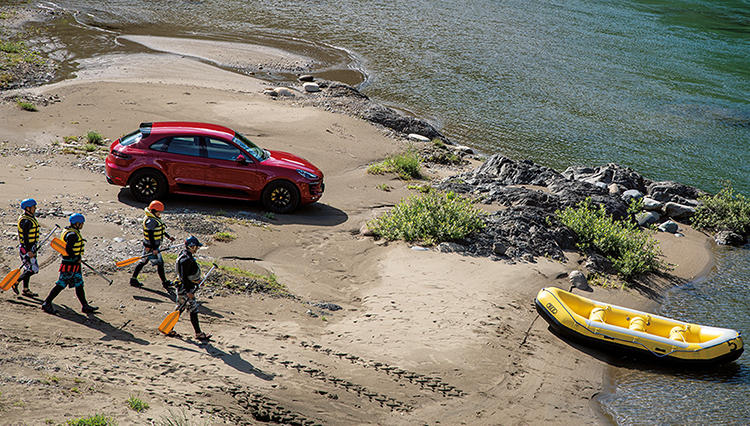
(660,86)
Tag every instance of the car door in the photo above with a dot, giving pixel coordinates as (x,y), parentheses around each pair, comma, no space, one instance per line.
(231,170)
(180,157)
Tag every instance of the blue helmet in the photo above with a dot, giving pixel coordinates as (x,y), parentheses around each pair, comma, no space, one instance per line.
(192,241)
(76,218)
(29,202)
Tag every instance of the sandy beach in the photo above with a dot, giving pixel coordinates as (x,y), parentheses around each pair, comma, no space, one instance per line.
(423,337)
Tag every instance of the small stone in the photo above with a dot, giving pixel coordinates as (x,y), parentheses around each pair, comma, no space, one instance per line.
(418,138)
(311,87)
(579,281)
(450,247)
(669,226)
(365,230)
(419,248)
(284,91)
(306,77)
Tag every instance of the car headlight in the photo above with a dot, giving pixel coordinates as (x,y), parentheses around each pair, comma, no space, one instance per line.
(306,174)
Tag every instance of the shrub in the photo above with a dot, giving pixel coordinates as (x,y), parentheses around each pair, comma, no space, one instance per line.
(90,147)
(631,251)
(429,219)
(95,138)
(725,211)
(137,405)
(11,46)
(28,106)
(407,165)
(95,420)
(224,237)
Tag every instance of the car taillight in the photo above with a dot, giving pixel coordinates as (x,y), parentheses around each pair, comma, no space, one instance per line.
(120,155)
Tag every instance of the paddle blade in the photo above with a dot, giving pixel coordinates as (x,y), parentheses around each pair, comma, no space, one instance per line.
(127,262)
(59,246)
(10,279)
(169,322)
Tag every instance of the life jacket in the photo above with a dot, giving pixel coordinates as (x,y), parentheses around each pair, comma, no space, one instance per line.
(158,231)
(33,233)
(77,247)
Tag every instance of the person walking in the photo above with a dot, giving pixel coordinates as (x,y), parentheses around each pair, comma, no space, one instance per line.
(28,235)
(70,267)
(154,232)
(189,274)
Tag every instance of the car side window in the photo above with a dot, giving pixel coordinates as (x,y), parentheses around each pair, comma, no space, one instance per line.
(160,145)
(184,145)
(222,150)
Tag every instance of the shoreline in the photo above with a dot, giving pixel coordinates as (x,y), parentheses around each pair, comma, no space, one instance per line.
(120,77)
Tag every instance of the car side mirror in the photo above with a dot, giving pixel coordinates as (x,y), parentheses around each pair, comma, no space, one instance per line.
(241,159)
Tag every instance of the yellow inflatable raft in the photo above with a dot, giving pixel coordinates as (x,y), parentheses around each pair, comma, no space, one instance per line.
(658,337)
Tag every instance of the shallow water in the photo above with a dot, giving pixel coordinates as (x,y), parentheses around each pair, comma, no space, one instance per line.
(713,396)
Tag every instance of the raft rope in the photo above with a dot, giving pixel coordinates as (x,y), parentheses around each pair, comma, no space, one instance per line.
(658,355)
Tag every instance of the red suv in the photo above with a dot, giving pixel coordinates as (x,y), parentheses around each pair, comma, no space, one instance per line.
(212,160)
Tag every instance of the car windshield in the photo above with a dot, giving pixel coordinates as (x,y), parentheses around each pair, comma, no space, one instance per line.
(259,153)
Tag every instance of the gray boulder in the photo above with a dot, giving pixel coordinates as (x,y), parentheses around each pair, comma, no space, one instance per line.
(666,191)
(390,118)
(450,247)
(669,226)
(609,174)
(729,238)
(579,281)
(649,204)
(678,211)
(631,194)
(647,218)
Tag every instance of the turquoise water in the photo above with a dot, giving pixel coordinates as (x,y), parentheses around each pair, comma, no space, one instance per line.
(660,86)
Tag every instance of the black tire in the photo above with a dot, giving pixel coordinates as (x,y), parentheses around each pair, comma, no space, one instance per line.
(148,185)
(280,196)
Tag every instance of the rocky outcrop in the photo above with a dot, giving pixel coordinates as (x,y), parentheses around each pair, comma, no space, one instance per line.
(530,194)
(392,119)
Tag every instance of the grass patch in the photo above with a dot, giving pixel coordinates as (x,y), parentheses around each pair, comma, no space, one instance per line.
(224,237)
(95,420)
(384,187)
(407,165)
(179,419)
(27,106)
(70,139)
(429,219)
(90,147)
(137,405)
(238,279)
(94,138)
(724,211)
(12,46)
(631,251)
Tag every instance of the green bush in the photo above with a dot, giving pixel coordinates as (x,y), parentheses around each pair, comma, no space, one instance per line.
(725,211)
(96,420)
(28,106)
(429,219)
(224,237)
(11,46)
(90,147)
(137,404)
(95,138)
(407,165)
(631,251)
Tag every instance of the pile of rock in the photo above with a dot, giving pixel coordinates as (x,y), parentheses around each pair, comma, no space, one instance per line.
(530,195)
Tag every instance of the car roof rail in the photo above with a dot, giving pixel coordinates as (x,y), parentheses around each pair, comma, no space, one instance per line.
(146,128)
